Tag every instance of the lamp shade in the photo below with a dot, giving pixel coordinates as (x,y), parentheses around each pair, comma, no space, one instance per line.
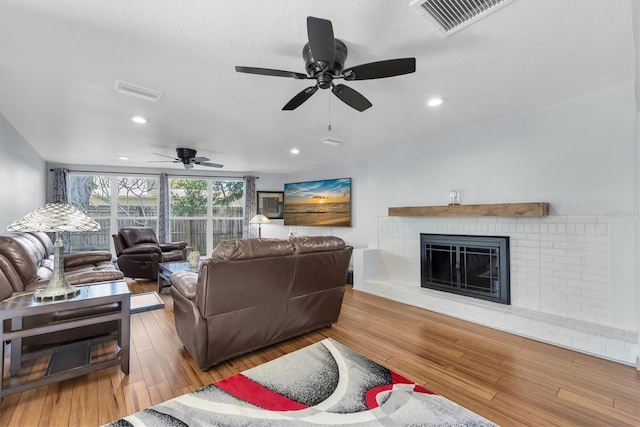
(260,219)
(56,217)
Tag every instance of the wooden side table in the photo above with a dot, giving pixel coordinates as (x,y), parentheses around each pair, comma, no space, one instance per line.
(90,296)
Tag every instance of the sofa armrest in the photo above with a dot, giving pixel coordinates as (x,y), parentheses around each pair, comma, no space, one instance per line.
(168,247)
(83,258)
(142,249)
(185,282)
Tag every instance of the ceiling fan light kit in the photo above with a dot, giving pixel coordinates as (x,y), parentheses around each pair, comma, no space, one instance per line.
(324,58)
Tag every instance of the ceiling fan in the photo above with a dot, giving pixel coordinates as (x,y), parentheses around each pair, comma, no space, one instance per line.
(324,58)
(187,157)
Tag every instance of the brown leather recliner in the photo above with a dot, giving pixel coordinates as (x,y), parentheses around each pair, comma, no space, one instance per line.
(139,252)
(257,292)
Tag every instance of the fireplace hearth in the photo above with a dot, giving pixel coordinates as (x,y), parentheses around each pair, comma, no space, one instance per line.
(474,266)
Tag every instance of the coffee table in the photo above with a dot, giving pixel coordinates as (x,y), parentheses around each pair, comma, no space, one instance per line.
(166,269)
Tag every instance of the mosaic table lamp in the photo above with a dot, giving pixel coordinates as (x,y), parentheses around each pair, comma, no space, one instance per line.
(56,217)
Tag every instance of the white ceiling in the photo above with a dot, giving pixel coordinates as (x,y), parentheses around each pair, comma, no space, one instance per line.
(59,61)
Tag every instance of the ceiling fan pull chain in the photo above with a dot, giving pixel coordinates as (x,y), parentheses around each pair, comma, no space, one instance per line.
(329,127)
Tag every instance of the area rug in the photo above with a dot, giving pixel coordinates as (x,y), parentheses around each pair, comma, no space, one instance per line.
(323,384)
(145,302)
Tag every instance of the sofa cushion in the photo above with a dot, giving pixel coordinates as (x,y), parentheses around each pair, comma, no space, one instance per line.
(138,235)
(44,240)
(307,244)
(252,248)
(84,258)
(21,253)
(185,282)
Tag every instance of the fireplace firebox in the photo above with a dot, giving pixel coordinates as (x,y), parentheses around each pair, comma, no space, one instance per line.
(474,266)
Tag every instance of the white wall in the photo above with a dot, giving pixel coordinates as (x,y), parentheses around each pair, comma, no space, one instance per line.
(22,175)
(579,155)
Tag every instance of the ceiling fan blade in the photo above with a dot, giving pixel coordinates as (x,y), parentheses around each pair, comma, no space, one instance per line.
(161,161)
(188,165)
(381,69)
(321,40)
(169,157)
(351,97)
(200,159)
(301,97)
(211,165)
(270,72)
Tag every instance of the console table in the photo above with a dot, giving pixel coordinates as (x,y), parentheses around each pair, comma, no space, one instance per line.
(24,306)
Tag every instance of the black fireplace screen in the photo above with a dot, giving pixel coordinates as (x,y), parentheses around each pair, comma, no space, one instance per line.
(476,266)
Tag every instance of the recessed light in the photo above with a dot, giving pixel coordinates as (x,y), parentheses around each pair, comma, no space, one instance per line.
(434,102)
(294,151)
(139,119)
(123,157)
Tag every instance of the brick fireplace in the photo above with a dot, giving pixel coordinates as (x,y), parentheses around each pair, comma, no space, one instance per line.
(559,271)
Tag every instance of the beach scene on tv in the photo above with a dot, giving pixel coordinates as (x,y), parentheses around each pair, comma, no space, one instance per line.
(326,202)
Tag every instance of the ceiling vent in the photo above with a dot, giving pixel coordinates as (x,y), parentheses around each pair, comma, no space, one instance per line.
(138,91)
(453,15)
(330,141)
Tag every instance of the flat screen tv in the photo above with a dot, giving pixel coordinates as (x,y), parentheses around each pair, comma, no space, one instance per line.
(318,203)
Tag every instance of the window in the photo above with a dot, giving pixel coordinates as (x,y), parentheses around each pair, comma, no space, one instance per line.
(92,195)
(114,202)
(137,201)
(188,212)
(204,212)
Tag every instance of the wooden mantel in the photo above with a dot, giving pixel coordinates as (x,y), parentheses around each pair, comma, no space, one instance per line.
(499,209)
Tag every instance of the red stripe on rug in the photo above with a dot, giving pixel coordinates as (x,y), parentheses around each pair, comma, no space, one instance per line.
(399,379)
(243,388)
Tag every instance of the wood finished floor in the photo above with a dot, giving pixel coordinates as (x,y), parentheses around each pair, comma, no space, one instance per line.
(506,378)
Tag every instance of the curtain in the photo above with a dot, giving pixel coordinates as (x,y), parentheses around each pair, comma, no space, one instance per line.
(250,207)
(164,229)
(59,194)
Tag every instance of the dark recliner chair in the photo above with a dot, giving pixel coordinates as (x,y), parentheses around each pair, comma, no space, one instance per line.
(139,252)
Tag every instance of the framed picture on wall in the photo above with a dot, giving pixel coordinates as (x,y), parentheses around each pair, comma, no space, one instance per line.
(271,204)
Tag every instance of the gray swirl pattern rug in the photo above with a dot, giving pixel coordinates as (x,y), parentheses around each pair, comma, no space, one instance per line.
(323,384)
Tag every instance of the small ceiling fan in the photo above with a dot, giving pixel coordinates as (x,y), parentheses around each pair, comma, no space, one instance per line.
(324,58)
(187,157)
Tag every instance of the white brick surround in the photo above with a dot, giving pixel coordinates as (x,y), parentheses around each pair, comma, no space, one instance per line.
(560,279)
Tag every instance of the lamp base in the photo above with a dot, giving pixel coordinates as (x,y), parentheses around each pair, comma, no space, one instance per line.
(58,287)
(56,291)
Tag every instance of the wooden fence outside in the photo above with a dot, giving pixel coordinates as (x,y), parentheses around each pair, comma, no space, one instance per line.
(192,231)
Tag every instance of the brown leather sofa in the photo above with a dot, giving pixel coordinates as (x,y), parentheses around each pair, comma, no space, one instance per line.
(26,264)
(257,292)
(139,252)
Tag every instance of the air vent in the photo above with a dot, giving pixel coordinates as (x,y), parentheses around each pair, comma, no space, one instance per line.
(138,91)
(453,15)
(330,141)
